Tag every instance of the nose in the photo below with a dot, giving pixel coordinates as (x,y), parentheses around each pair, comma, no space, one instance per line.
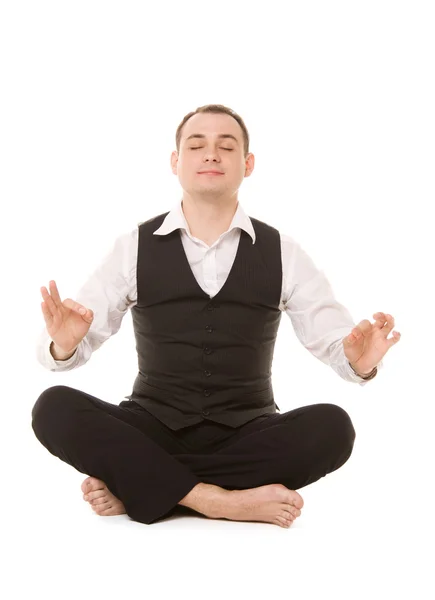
(211,154)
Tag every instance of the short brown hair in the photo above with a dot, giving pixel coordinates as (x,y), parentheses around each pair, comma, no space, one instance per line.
(216,109)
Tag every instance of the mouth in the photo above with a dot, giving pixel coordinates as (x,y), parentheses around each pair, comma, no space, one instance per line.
(210,173)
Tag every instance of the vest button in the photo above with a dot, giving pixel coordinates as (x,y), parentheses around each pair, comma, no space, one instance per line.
(207,373)
(210,307)
(205,413)
(208,351)
(207,392)
(209,328)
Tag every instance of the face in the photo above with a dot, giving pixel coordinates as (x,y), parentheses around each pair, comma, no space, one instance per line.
(213,150)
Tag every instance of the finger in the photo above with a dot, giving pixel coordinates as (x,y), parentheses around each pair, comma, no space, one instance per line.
(379,315)
(55,293)
(389,326)
(44,293)
(47,314)
(393,340)
(51,306)
(362,329)
(380,320)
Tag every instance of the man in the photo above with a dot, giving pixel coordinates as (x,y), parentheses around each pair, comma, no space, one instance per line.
(207,286)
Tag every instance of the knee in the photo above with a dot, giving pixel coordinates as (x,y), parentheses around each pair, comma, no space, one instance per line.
(48,405)
(339,426)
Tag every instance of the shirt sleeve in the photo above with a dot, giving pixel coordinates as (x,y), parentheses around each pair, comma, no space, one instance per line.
(110,291)
(319,320)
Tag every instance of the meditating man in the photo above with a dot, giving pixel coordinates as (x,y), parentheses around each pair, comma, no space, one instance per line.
(207,286)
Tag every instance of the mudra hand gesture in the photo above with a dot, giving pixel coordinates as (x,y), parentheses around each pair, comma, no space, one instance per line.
(367,343)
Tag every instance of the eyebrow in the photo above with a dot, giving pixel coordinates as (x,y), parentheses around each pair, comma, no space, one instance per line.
(220,136)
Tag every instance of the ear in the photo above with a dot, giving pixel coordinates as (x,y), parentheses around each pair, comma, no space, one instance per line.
(174,161)
(249,164)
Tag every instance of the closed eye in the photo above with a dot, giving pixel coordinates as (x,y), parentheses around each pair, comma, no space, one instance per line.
(229,149)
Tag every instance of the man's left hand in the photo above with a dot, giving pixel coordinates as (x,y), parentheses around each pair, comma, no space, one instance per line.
(367,343)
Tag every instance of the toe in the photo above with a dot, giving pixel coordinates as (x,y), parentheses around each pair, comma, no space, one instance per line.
(85,485)
(297,500)
(98,501)
(293,510)
(113,511)
(99,508)
(105,510)
(286,514)
(96,484)
(92,484)
(97,494)
(283,522)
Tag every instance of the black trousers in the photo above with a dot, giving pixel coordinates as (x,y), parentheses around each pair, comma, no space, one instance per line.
(150,467)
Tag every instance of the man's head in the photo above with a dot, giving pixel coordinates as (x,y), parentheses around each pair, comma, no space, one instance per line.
(212,137)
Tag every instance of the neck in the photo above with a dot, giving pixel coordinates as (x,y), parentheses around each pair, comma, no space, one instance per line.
(208,220)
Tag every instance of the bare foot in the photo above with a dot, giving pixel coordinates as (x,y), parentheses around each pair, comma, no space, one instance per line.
(272,503)
(101,499)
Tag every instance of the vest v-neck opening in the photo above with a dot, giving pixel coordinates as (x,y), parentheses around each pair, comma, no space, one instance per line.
(230,274)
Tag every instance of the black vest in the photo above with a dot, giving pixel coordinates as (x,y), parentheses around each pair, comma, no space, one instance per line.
(200,357)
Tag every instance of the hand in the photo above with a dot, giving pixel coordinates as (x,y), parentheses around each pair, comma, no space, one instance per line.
(367,343)
(65,325)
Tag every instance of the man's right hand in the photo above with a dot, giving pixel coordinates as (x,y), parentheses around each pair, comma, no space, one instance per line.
(65,325)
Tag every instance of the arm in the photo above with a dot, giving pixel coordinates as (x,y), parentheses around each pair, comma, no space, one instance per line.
(319,320)
(110,291)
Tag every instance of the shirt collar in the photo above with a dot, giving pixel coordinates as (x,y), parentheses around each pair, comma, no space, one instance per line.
(176,220)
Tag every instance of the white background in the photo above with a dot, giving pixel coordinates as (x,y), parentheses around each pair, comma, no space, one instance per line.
(338,98)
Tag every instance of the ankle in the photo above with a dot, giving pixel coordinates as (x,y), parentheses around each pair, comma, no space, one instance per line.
(207,499)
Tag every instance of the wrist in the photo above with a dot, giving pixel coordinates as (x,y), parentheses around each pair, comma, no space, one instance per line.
(59,354)
(364,375)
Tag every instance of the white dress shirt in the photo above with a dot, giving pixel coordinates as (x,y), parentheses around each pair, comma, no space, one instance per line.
(319,321)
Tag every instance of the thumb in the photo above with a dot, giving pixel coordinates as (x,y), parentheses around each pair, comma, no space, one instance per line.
(349,339)
(87,314)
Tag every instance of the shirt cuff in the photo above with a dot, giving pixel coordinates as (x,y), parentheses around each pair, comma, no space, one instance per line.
(46,359)
(367,376)
(360,379)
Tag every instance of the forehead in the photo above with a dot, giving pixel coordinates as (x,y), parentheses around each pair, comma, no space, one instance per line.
(212,126)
